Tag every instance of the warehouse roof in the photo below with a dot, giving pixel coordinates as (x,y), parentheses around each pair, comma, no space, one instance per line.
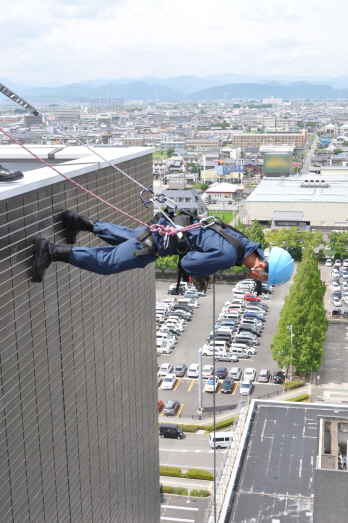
(273,478)
(291,189)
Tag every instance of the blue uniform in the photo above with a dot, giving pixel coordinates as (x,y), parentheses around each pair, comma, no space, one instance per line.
(208,251)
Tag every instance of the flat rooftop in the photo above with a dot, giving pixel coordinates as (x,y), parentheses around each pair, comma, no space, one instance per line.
(289,190)
(72,161)
(274,482)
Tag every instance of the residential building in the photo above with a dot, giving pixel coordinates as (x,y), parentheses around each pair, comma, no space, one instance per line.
(298,139)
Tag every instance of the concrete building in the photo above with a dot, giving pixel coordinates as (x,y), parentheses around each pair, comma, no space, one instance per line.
(297,139)
(31,119)
(323,202)
(221,192)
(202,143)
(79,425)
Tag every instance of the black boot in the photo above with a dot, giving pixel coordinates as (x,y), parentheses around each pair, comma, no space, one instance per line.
(75,223)
(46,252)
(10,176)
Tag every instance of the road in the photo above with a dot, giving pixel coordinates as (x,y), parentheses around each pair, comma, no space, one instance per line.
(307,163)
(193,451)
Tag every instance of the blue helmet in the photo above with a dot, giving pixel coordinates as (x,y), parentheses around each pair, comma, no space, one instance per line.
(280,266)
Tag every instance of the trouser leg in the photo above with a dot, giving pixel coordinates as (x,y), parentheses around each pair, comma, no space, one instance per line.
(115,234)
(110,260)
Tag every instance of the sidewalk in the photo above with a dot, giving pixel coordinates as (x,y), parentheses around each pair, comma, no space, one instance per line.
(186,483)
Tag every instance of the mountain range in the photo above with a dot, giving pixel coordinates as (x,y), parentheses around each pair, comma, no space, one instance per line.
(180,88)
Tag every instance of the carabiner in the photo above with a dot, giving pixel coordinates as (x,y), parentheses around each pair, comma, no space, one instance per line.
(149,190)
(205,225)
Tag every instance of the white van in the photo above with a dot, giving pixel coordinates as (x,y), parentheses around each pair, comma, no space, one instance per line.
(231,315)
(239,294)
(221,440)
(239,352)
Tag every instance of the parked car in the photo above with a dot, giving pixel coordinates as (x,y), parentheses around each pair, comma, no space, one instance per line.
(264,376)
(169,382)
(165,368)
(163,348)
(212,384)
(278,377)
(335,272)
(251,297)
(221,372)
(171,408)
(235,373)
(338,263)
(345,262)
(249,373)
(192,371)
(207,370)
(159,404)
(336,302)
(227,386)
(344,274)
(191,294)
(246,387)
(174,292)
(336,312)
(328,263)
(226,356)
(180,370)
(334,286)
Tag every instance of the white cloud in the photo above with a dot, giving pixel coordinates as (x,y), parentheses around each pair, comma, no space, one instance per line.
(72,40)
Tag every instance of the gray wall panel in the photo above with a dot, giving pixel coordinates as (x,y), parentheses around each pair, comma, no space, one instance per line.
(76,441)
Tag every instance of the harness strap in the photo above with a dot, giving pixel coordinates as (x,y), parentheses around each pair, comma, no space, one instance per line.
(220,229)
(147,240)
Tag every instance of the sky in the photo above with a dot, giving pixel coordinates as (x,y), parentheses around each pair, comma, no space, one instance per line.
(73,40)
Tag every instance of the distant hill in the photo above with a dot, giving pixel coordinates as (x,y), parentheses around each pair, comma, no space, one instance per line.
(294,91)
(82,92)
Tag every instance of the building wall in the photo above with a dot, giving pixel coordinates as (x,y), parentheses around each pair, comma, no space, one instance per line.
(330,495)
(78,418)
(315,213)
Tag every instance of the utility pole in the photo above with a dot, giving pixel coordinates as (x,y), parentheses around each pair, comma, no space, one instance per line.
(292,335)
(204,164)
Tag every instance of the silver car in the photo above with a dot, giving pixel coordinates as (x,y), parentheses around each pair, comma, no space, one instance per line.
(246,386)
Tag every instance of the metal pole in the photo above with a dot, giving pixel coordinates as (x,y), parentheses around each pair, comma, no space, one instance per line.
(204,164)
(200,395)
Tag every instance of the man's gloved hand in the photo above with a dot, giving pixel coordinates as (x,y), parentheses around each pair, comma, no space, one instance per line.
(201,282)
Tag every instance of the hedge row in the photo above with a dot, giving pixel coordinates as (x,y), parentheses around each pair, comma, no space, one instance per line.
(301,397)
(290,385)
(221,425)
(191,473)
(208,428)
(183,492)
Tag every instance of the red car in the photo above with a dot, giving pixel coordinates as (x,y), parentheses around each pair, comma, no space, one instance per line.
(251,297)
(160,404)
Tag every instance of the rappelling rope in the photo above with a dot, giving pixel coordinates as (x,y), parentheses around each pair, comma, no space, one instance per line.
(161,229)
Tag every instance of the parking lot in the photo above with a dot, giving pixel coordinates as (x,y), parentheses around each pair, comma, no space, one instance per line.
(194,337)
(327,278)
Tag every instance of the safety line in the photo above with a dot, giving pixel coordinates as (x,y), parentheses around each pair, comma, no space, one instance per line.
(214,405)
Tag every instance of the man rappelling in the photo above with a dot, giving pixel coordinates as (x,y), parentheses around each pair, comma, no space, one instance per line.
(203,251)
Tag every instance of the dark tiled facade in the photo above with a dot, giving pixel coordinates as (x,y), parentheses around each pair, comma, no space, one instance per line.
(78,420)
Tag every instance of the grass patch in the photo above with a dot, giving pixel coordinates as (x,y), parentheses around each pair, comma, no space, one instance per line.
(290,385)
(195,493)
(301,397)
(226,216)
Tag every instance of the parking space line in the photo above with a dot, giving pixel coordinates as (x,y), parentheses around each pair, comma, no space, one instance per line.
(176,384)
(219,388)
(191,385)
(162,412)
(235,386)
(203,390)
(180,409)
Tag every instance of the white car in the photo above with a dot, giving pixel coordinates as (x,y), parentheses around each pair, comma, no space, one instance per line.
(345,262)
(338,263)
(334,286)
(212,384)
(345,299)
(264,296)
(163,349)
(328,263)
(169,381)
(226,356)
(250,374)
(250,350)
(165,368)
(344,286)
(207,370)
(336,302)
(335,273)
(193,370)
(209,351)
(246,387)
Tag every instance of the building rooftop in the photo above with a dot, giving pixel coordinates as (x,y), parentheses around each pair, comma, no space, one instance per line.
(290,189)
(72,161)
(273,479)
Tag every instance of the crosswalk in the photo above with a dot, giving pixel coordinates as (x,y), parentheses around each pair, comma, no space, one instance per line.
(168,510)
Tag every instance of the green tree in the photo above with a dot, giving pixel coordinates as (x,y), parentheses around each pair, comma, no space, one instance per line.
(338,243)
(293,240)
(204,187)
(304,310)
(170,151)
(337,151)
(256,234)
(162,262)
